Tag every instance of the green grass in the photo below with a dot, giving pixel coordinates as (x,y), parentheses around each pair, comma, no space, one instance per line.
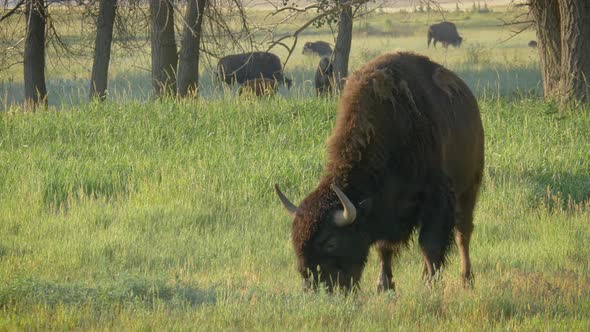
(162,215)
(143,215)
(490,65)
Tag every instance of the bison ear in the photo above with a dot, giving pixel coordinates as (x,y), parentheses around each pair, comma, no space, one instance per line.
(448,82)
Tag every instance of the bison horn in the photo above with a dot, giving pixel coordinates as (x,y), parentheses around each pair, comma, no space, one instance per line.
(348,216)
(290,207)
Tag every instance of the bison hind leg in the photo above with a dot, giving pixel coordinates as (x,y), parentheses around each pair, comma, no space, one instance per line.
(436,233)
(464,229)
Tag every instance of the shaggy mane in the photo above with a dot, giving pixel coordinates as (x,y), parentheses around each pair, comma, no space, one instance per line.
(375,94)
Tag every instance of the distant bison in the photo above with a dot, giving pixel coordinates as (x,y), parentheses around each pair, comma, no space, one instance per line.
(259,87)
(320,48)
(533,44)
(324,76)
(248,66)
(406,155)
(445,32)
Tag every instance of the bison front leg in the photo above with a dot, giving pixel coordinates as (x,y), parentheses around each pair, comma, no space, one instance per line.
(387,252)
(436,233)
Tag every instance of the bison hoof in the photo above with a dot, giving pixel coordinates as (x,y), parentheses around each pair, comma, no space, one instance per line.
(385,284)
(468,281)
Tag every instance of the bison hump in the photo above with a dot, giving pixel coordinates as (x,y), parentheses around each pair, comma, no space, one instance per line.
(383,84)
(386,87)
(448,82)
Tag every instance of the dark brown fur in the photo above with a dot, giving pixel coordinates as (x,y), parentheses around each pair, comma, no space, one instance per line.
(239,68)
(259,87)
(319,47)
(445,32)
(324,77)
(408,151)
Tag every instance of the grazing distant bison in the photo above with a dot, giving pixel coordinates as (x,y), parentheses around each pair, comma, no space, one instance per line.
(324,77)
(259,87)
(320,48)
(445,32)
(406,154)
(533,44)
(248,66)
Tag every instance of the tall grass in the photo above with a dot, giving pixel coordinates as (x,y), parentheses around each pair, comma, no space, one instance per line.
(137,214)
(162,216)
(489,64)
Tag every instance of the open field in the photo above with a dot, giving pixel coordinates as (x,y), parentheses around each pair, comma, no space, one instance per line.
(160,215)
(486,61)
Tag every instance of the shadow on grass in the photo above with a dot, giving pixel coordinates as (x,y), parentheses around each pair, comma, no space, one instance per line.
(127,290)
(63,186)
(492,81)
(556,191)
(508,83)
(562,191)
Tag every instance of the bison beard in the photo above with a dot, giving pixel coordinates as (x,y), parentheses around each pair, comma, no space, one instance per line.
(406,155)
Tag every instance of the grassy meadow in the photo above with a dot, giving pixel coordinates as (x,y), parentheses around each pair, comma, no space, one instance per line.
(160,215)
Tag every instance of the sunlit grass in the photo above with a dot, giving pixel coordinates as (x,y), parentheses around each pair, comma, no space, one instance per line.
(138,214)
(487,61)
(162,215)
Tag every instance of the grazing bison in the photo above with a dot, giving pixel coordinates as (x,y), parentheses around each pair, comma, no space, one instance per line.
(406,154)
(248,66)
(445,32)
(324,77)
(533,44)
(259,87)
(320,48)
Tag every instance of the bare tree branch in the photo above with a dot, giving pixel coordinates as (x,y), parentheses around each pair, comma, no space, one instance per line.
(324,11)
(12,11)
(516,21)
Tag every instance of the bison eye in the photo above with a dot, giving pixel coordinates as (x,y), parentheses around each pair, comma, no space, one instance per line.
(329,245)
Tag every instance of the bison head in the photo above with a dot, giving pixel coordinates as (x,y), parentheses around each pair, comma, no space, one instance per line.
(307,48)
(457,42)
(328,238)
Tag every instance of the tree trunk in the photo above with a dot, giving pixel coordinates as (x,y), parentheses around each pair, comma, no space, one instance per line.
(575,50)
(164,56)
(563,32)
(102,49)
(34,61)
(342,47)
(188,67)
(546,14)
